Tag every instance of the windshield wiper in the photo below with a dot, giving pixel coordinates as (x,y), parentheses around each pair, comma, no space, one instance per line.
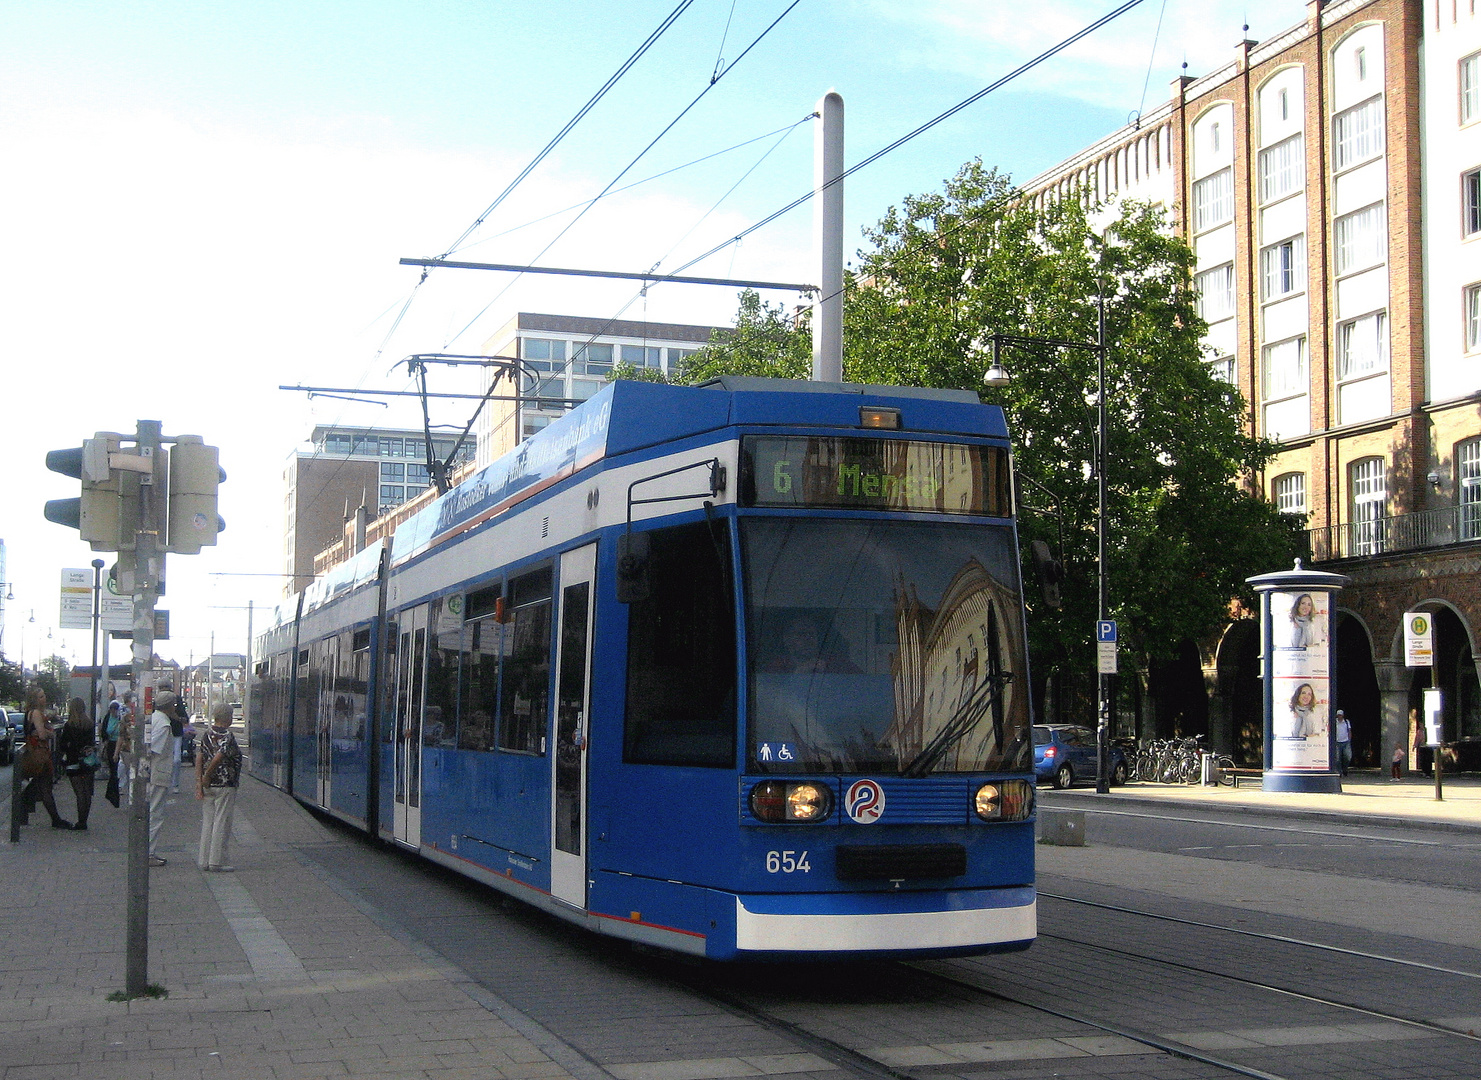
(966,718)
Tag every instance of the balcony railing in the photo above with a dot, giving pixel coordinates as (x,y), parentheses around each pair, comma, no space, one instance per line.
(1407,532)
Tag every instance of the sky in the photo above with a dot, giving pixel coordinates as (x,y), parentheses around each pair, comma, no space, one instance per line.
(204,202)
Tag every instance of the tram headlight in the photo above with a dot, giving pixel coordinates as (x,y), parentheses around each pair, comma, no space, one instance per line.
(778,801)
(1007,800)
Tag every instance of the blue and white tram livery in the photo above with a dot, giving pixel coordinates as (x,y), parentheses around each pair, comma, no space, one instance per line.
(736,670)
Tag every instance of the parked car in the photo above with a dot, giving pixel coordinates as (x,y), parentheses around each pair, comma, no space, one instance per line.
(1065,753)
(13,735)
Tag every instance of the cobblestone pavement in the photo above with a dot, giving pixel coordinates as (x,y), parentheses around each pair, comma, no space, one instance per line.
(325,955)
(271,972)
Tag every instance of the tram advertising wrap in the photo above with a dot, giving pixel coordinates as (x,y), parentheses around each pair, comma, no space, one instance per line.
(729,670)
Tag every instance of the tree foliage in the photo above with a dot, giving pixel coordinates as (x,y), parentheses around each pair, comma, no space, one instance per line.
(54,675)
(945,271)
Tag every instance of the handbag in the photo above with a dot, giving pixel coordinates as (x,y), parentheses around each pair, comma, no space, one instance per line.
(36,761)
(90,759)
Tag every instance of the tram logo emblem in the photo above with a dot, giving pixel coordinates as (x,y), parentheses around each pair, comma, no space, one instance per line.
(864,801)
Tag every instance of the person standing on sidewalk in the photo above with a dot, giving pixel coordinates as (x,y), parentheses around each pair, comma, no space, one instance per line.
(38,749)
(160,745)
(111,727)
(79,751)
(1344,742)
(218,770)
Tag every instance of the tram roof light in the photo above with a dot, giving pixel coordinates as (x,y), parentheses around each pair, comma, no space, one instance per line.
(879,418)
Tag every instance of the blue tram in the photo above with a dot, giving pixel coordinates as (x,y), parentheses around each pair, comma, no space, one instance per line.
(736,670)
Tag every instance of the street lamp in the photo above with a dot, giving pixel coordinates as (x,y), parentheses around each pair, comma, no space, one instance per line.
(997,376)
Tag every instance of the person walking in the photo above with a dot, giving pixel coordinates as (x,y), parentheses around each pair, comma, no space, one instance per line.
(218,771)
(38,760)
(160,745)
(112,724)
(79,752)
(1344,742)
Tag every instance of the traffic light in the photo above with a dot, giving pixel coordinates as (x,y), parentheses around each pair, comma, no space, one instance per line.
(195,474)
(97,513)
(1051,572)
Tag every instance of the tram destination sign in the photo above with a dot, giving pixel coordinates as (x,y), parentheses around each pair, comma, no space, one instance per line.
(847,473)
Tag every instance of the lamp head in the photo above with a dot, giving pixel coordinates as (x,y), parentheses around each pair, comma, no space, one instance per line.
(996,376)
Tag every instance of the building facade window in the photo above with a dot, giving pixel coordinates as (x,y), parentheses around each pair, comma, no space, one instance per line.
(678,356)
(1285,369)
(1281,171)
(1357,133)
(418,475)
(1359,239)
(1472,306)
(1468,488)
(595,357)
(1470,202)
(1369,499)
(1283,268)
(1470,88)
(1362,347)
(1284,382)
(1222,369)
(1290,493)
(544,354)
(338,442)
(390,447)
(393,471)
(642,356)
(1213,200)
(1216,293)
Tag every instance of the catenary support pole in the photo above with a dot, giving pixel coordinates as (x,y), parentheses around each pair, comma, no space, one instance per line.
(98,680)
(827,320)
(149,554)
(1103,712)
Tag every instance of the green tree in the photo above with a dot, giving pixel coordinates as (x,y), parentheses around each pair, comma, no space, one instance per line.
(54,675)
(946,270)
(11,687)
(764,342)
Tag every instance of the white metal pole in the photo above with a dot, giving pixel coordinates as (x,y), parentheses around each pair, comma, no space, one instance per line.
(827,321)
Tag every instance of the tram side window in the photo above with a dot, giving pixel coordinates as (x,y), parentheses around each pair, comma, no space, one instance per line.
(681,653)
(483,637)
(525,693)
(440,719)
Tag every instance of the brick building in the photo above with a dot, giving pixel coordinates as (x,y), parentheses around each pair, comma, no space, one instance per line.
(1329,183)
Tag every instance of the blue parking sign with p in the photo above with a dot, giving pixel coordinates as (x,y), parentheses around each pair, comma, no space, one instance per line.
(1105,630)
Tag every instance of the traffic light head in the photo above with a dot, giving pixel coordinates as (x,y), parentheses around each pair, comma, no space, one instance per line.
(195,475)
(97,512)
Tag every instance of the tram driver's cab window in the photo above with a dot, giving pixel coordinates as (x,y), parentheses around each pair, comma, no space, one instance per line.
(524,705)
(681,652)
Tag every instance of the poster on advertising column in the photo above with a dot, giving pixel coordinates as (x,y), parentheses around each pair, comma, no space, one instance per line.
(1300,680)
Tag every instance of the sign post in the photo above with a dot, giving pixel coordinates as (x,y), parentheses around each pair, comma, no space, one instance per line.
(1296,658)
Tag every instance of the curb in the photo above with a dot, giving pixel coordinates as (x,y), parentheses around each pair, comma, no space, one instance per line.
(1061,800)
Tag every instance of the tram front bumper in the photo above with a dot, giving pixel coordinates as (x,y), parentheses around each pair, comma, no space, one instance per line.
(959,921)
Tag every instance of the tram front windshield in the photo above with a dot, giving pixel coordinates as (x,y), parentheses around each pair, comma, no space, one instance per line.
(890,647)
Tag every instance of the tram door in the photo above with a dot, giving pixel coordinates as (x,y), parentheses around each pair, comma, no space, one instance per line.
(406,788)
(572,711)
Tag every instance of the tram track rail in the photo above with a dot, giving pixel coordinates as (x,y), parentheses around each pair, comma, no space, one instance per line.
(1281,938)
(859,1063)
(1315,999)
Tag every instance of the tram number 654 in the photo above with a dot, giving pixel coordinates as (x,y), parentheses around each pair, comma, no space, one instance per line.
(787,862)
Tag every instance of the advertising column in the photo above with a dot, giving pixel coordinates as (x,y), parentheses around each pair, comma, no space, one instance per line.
(1296,612)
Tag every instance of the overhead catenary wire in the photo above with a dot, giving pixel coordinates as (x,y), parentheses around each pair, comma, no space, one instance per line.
(646,180)
(612,81)
(631,164)
(927,126)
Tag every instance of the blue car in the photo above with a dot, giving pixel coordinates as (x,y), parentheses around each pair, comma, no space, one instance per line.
(1064,753)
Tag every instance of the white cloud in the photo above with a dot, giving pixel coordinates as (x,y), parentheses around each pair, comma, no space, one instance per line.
(1107,68)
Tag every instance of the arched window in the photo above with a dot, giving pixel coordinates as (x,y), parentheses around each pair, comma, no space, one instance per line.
(1289,490)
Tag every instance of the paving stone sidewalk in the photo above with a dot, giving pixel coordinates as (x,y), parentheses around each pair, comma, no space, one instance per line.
(271,972)
(1367,797)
